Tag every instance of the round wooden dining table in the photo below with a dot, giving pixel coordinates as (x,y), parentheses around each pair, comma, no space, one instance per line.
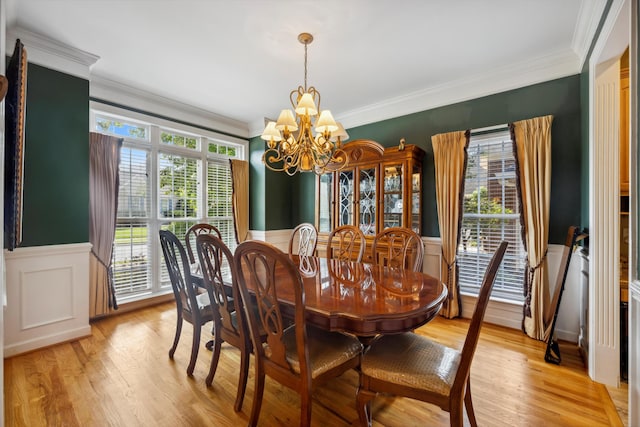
(364,299)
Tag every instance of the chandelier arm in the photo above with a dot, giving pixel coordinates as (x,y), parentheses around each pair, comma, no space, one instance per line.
(316,96)
(298,94)
(271,158)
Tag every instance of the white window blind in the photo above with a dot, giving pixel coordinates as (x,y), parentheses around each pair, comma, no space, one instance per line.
(130,259)
(491,214)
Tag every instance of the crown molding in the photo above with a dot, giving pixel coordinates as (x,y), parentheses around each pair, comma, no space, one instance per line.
(101,88)
(526,73)
(256,127)
(586,27)
(537,70)
(52,54)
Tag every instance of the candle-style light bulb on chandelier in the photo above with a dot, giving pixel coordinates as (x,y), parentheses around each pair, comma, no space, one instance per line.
(291,144)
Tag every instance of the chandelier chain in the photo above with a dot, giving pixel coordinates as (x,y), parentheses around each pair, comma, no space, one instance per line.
(305,66)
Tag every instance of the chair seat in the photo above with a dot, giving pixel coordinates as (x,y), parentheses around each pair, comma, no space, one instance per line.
(326,349)
(203,301)
(431,366)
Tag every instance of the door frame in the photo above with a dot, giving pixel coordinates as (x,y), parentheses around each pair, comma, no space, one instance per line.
(604,237)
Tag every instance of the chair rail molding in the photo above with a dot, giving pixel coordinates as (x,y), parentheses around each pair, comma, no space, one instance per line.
(47,296)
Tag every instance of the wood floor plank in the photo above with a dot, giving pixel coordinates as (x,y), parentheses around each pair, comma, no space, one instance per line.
(121,375)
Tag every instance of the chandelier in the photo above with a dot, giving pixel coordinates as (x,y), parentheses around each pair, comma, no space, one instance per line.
(291,144)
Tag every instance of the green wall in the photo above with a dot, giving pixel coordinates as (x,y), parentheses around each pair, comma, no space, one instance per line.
(560,97)
(271,203)
(56,159)
(56,187)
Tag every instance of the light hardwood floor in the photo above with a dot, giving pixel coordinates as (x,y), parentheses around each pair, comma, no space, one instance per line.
(620,398)
(122,376)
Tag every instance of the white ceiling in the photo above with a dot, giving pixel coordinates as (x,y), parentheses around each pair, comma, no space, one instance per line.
(370,59)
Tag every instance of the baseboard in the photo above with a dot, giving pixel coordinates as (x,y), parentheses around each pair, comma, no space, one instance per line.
(128,306)
(46,341)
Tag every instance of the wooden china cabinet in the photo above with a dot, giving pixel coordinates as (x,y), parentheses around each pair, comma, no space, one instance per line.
(379,188)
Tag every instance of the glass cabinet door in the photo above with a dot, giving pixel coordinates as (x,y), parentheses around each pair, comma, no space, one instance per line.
(325,202)
(367,201)
(345,198)
(392,200)
(416,187)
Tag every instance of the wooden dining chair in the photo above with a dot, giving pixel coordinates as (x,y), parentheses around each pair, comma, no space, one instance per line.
(346,243)
(298,356)
(217,267)
(194,231)
(304,238)
(193,307)
(413,366)
(398,247)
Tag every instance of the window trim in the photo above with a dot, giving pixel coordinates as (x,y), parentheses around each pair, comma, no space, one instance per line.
(482,136)
(155,146)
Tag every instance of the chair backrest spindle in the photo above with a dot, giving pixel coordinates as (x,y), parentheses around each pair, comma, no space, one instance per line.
(196,230)
(306,237)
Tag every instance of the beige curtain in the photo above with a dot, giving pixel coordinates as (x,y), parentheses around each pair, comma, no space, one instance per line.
(533,151)
(450,158)
(240,183)
(104,161)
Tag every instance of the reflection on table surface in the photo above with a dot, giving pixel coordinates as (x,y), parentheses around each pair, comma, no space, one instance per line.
(365,299)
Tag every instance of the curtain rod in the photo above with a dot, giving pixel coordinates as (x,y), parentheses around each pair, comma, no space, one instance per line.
(489,129)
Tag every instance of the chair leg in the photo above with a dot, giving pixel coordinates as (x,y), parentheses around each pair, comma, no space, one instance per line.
(172,350)
(242,379)
(305,407)
(215,357)
(257,396)
(195,346)
(363,404)
(456,412)
(469,405)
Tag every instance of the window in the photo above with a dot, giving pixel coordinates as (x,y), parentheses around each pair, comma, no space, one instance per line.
(131,269)
(491,213)
(170,178)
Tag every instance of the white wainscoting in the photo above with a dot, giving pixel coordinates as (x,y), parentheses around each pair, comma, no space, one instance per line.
(278,238)
(47,296)
(509,314)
